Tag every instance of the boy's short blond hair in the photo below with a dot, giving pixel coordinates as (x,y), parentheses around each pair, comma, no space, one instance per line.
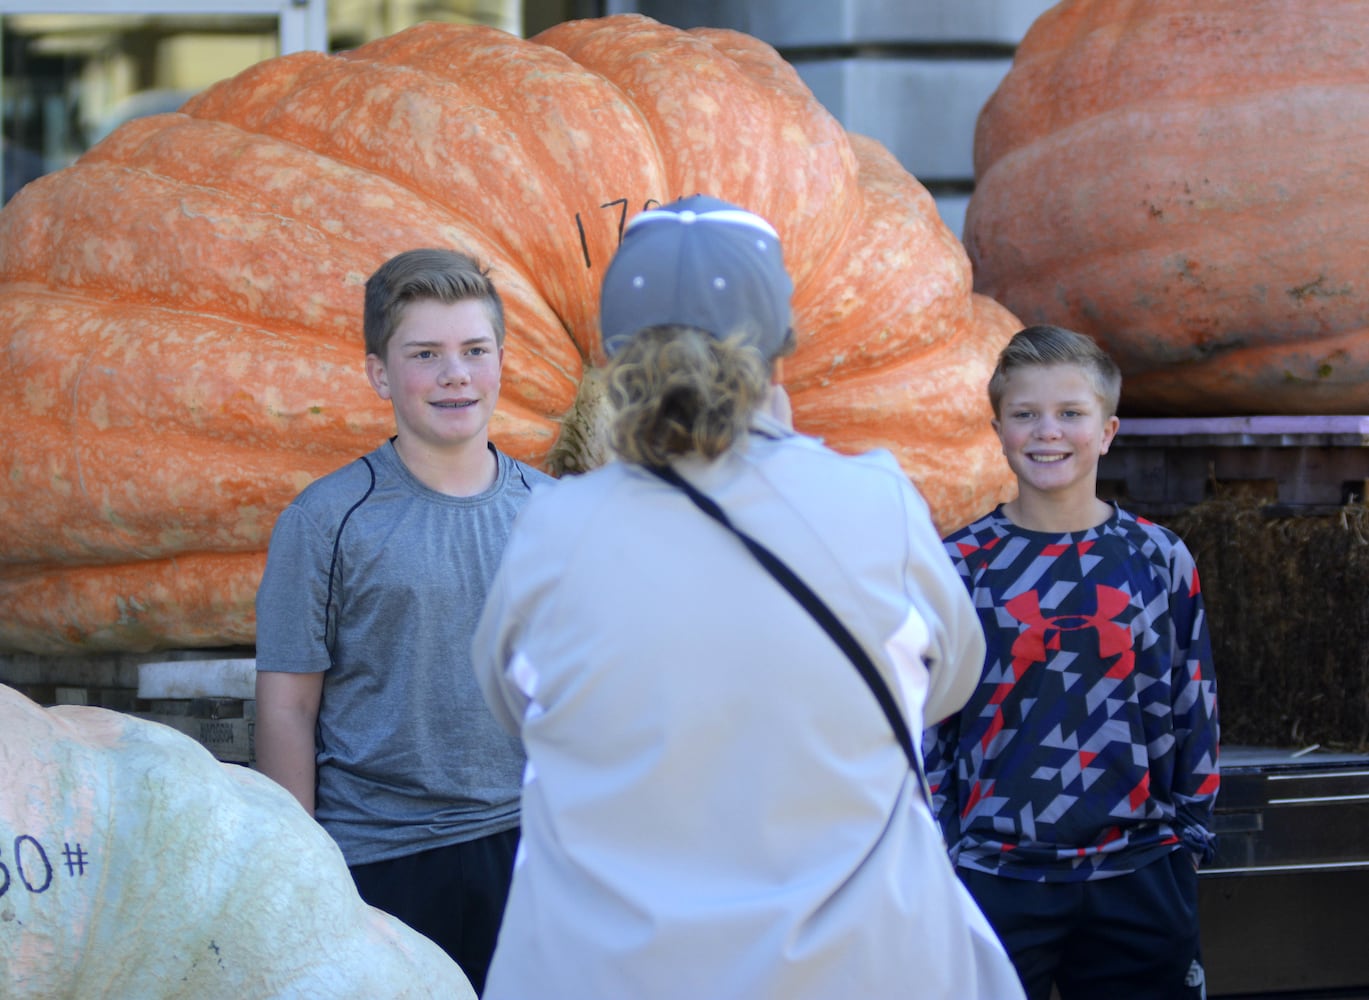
(1043,345)
(435,273)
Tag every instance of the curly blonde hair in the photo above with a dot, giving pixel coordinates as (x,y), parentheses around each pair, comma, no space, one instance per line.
(678,391)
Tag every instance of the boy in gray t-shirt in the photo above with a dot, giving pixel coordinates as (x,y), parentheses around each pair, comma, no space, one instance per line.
(367,708)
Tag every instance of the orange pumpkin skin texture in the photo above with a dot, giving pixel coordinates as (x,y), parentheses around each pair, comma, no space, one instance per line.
(180,309)
(1186,183)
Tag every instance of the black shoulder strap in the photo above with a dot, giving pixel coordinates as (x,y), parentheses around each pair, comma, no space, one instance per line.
(329,633)
(815,606)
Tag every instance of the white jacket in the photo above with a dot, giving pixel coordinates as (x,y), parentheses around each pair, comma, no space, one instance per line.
(714,804)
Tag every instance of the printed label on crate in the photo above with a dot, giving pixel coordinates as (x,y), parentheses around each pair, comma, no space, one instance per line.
(227,739)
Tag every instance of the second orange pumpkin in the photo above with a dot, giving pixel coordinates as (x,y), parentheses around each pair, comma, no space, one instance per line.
(1186,183)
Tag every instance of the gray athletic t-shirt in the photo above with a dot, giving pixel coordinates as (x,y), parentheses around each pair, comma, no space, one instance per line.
(409,756)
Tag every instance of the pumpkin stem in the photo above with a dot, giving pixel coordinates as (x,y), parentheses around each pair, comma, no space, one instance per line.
(583,441)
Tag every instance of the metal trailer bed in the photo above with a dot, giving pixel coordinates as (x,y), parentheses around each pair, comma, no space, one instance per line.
(1284,904)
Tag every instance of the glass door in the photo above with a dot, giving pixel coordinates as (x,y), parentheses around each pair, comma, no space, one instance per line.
(71,71)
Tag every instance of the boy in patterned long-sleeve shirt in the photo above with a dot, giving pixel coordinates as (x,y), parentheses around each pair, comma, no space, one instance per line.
(1075,789)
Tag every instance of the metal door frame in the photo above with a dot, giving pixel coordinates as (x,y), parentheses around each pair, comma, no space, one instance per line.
(303,23)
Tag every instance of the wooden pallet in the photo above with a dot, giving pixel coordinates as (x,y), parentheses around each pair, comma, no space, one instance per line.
(208,695)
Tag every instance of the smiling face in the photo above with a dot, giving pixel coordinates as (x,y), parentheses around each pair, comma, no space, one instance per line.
(1054,427)
(441,373)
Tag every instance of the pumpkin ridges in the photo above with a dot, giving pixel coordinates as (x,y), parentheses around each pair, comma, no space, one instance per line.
(823,213)
(88,418)
(1110,62)
(900,259)
(268,84)
(1184,307)
(110,383)
(589,132)
(1195,207)
(856,418)
(900,280)
(244,240)
(116,339)
(228,263)
(432,130)
(199,598)
(29,229)
(382,215)
(352,205)
(171,504)
(116,356)
(390,120)
(109,514)
(1186,235)
(1321,376)
(798,168)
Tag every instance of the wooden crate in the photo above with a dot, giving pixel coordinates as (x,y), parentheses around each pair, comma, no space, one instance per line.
(226,727)
(206,694)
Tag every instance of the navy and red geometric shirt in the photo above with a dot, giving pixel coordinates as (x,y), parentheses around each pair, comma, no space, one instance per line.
(1089,748)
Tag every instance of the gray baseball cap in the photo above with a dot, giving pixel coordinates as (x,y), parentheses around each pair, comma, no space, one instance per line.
(701,263)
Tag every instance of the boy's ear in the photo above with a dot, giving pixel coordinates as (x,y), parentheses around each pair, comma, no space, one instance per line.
(377,376)
(1109,432)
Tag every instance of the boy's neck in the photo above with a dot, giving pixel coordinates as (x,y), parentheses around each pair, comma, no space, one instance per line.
(462,471)
(1036,512)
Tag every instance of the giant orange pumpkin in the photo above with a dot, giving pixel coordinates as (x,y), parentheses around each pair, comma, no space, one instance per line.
(180,309)
(1189,184)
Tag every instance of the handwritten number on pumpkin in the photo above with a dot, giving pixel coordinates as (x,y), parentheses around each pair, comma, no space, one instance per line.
(621,205)
(29,857)
(622,215)
(584,244)
(20,868)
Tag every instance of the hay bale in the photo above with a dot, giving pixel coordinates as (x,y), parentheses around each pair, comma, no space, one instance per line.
(1288,605)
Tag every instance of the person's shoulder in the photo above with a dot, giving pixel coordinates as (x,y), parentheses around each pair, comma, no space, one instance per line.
(877,464)
(869,485)
(528,476)
(344,485)
(1152,543)
(983,531)
(521,484)
(582,487)
(880,462)
(1147,533)
(580,499)
(877,461)
(322,506)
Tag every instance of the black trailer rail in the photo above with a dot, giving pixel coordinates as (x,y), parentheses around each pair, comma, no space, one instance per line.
(1283,904)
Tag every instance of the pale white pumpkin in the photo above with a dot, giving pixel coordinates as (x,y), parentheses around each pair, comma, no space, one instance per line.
(134,864)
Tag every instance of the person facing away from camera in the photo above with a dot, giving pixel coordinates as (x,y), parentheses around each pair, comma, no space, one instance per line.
(375,576)
(1076,786)
(715,804)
